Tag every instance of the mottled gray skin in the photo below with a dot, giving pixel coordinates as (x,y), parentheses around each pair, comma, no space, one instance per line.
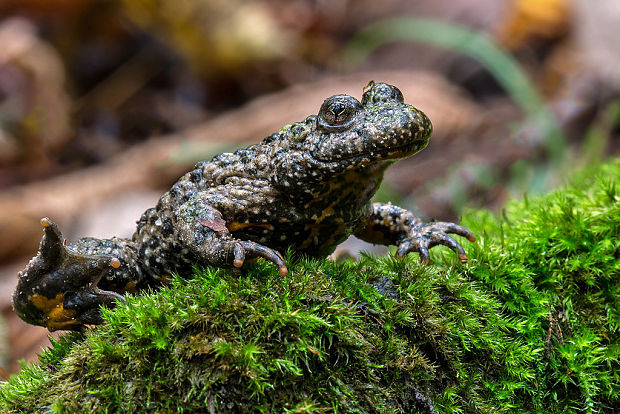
(307,187)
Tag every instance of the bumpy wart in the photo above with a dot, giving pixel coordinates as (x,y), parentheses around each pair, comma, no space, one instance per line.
(307,187)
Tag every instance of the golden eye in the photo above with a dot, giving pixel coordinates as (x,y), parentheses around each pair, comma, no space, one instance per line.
(338,112)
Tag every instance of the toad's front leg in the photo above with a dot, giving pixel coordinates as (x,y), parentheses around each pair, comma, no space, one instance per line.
(204,232)
(389,224)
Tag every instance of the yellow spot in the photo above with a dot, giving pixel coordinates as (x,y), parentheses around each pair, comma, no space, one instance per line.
(115,263)
(65,325)
(234,226)
(165,279)
(45,222)
(47,305)
(337,233)
(338,192)
(315,227)
(130,287)
(326,213)
(57,317)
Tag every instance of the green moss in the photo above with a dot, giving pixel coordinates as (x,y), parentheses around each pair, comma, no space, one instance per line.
(530,324)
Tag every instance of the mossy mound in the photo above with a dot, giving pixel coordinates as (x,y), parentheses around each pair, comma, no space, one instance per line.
(530,324)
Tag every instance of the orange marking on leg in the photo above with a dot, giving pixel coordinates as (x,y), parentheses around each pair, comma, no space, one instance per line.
(130,287)
(57,316)
(235,225)
(165,279)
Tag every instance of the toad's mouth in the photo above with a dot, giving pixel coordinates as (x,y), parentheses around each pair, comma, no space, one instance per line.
(376,155)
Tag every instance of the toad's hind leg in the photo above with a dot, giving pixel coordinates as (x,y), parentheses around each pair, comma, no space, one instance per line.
(57,289)
(203,232)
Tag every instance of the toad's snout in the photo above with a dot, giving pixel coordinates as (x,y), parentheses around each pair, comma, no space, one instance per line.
(419,124)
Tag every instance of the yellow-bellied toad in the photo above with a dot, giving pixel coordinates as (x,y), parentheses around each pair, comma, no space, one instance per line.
(307,187)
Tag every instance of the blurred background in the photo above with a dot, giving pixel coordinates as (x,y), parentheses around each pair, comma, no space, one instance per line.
(105,103)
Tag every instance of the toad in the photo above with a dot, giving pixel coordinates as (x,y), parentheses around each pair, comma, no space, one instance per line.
(307,187)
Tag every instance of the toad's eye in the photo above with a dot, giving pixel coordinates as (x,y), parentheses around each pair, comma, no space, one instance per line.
(338,112)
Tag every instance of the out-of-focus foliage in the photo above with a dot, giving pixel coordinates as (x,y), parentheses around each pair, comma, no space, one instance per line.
(35,112)
(215,35)
(528,21)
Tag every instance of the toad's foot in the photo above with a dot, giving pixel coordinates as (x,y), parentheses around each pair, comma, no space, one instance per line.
(225,251)
(58,288)
(204,232)
(250,250)
(389,224)
(423,236)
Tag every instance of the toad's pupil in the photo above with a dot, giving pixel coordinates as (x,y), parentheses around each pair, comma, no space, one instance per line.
(338,112)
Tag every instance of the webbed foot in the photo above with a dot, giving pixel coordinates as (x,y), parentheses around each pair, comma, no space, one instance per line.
(426,235)
(57,289)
